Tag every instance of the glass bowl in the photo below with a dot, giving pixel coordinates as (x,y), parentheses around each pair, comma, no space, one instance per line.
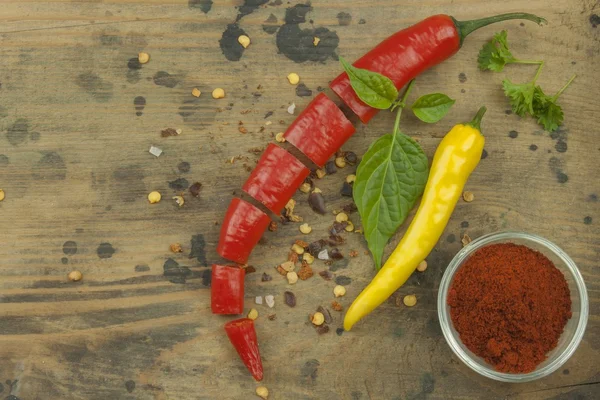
(574,329)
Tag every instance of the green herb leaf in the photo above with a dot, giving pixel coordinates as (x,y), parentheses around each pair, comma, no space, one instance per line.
(374,89)
(389,179)
(548,113)
(494,55)
(432,107)
(520,95)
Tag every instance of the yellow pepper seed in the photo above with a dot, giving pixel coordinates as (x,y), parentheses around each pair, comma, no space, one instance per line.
(409,300)
(292,277)
(179,200)
(253,313)
(75,276)
(262,392)
(468,196)
(339,291)
(349,227)
(350,178)
(340,162)
(341,217)
(305,228)
(244,41)
(321,173)
(196,92)
(316,41)
(422,266)
(297,249)
(154,197)
(279,137)
(2,195)
(218,93)
(317,319)
(305,187)
(293,78)
(308,258)
(143,58)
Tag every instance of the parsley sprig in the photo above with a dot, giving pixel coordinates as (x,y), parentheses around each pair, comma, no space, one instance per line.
(525,98)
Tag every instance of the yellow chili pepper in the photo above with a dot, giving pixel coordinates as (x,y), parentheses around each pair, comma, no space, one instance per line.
(456,157)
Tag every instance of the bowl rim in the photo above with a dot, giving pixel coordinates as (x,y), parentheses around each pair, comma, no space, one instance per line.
(453,341)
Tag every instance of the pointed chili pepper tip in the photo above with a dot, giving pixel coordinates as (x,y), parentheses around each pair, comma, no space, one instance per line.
(476,121)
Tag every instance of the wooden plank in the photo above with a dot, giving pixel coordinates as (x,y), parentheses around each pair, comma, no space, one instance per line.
(75,167)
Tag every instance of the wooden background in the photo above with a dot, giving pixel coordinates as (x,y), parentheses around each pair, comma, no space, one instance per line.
(75,167)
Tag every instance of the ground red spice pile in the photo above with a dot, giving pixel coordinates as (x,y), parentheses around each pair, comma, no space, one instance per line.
(510,305)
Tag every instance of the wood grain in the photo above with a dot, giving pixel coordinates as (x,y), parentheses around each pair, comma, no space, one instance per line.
(75,167)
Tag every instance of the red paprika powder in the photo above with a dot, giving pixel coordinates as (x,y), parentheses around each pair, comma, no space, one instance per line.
(509,304)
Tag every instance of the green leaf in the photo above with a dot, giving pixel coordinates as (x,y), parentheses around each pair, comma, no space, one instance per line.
(432,107)
(494,55)
(389,180)
(548,113)
(374,89)
(521,96)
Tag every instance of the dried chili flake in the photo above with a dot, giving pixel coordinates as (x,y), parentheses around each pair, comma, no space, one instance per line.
(326,314)
(195,189)
(290,298)
(266,277)
(168,132)
(353,253)
(305,272)
(336,306)
(326,275)
(322,329)
(273,226)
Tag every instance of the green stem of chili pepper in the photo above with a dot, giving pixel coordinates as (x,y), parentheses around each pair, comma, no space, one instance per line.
(466,27)
(476,121)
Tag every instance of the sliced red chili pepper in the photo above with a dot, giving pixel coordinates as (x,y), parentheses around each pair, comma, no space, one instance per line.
(242,335)
(275,178)
(320,130)
(227,290)
(409,52)
(242,228)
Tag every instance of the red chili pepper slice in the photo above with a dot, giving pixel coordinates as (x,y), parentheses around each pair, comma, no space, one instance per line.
(409,52)
(242,228)
(320,130)
(242,335)
(227,290)
(276,178)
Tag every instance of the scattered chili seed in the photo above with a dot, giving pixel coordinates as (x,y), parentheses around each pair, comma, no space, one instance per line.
(218,93)
(179,200)
(245,42)
(468,196)
(154,197)
(279,137)
(297,249)
(330,168)
(340,162)
(270,300)
(308,258)
(273,226)
(326,275)
(75,276)
(253,313)
(349,227)
(339,291)
(266,277)
(293,78)
(316,41)
(336,306)
(290,299)
(466,240)
(143,58)
(305,187)
(316,201)
(341,217)
(292,277)
(305,272)
(195,189)
(196,92)
(422,266)
(176,248)
(317,319)
(261,391)
(305,228)
(410,300)
(321,173)
(350,178)
(2,195)
(242,129)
